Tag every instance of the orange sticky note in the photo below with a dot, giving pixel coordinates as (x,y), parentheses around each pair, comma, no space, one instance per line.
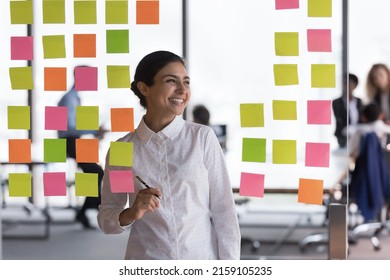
(84,45)
(310,191)
(19,150)
(148,12)
(55,78)
(87,150)
(122,119)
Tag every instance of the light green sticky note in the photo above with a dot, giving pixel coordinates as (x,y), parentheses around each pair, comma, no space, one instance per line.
(19,117)
(117,12)
(121,154)
(286,74)
(85,11)
(323,75)
(20,184)
(117,41)
(284,151)
(21,12)
(286,43)
(252,115)
(319,8)
(53,11)
(87,117)
(253,149)
(284,110)
(54,46)
(86,184)
(54,150)
(118,76)
(21,77)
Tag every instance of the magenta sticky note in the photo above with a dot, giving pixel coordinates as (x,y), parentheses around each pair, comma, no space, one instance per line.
(286,4)
(319,111)
(56,118)
(22,48)
(54,183)
(86,78)
(319,40)
(121,181)
(317,154)
(252,184)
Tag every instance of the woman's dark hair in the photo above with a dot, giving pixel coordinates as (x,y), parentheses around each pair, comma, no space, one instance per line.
(147,69)
(371,112)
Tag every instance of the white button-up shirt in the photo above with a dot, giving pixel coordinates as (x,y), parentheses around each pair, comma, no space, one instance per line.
(197,216)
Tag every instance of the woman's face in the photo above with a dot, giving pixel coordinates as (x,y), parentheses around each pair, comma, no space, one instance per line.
(380,78)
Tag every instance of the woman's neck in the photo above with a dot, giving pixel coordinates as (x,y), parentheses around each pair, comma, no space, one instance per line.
(156,123)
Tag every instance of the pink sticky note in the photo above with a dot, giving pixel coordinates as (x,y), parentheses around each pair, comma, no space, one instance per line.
(121,181)
(319,40)
(317,154)
(252,184)
(286,4)
(319,111)
(22,48)
(54,183)
(56,118)
(86,78)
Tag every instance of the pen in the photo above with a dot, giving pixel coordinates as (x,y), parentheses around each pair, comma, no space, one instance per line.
(146,185)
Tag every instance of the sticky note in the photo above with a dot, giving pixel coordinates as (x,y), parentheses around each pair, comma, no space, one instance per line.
(319,40)
(55,79)
(84,45)
(122,119)
(118,76)
(20,184)
(286,4)
(323,75)
(53,46)
(147,12)
(21,11)
(54,150)
(117,41)
(317,154)
(121,181)
(19,117)
(252,184)
(121,154)
(86,184)
(86,78)
(286,43)
(319,8)
(54,183)
(252,115)
(284,151)
(310,191)
(56,118)
(286,74)
(117,11)
(319,112)
(22,48)
(85,11)
(253,149)
(53,11)
(87,117)
(284,110)
(87,150)
(21,77)
(19,150)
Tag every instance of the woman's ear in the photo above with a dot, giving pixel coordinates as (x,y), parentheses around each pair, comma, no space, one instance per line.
(143,88)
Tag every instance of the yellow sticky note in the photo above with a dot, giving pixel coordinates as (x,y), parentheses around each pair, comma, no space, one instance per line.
(19,117)
(252,115)
(118,76)
(121,154)
(284,152)
(323,75)
(286,44)
(86,184)
(310,191)
(284,110)
(53,11)
(21,77)
(85,11)
(286,74)
(319,8)
(117,11)
(54,46)
(20,184)
(21,12)
(87,117)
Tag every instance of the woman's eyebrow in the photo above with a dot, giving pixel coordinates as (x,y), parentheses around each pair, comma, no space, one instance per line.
(176,77)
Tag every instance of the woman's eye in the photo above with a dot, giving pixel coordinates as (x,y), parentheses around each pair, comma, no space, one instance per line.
(171,81)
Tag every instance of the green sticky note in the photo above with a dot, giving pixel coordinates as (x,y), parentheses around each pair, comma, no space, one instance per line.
(121,154)
(21,77)
(319,8)
(21,12)
(323,75)
(87,117)
(252,115)
(86,184)
(117,11)
(53,11)
(54,46)
(286,43)
(118,76)
(284,151)
(20,184)
(54,150)
(284,110)
(253,149)
(19,117)
(286,74)
(85,11)
(117,41)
